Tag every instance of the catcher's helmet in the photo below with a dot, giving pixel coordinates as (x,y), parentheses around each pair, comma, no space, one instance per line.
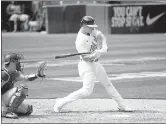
(12,56)
(89,21)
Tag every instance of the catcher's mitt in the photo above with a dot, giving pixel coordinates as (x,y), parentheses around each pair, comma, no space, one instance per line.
(41,69)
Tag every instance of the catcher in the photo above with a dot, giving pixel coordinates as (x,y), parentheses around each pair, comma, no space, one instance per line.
(13,97)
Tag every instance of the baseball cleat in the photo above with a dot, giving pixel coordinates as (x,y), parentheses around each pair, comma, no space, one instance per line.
(56,107)
(124,109)
(11,115)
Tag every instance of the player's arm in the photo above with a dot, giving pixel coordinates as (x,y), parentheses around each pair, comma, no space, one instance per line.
(4,78)
(80,46)
(40,73)
(101,37)
(97,53)
(30,77)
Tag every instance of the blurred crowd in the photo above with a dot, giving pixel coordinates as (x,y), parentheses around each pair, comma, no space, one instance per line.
(28,16)
(22,16)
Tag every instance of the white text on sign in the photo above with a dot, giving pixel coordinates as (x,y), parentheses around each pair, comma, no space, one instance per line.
(127,16)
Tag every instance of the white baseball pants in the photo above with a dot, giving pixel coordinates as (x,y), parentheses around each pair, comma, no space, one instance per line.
(89,73)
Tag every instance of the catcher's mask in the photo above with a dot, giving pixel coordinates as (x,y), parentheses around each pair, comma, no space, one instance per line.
(14,57)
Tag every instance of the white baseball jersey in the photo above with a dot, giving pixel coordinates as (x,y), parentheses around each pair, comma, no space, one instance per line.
(87,43)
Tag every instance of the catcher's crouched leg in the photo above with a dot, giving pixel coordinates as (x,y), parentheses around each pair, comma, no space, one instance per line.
(18,98)
(6,97)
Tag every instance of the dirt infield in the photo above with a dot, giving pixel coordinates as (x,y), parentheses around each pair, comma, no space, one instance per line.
(95,111)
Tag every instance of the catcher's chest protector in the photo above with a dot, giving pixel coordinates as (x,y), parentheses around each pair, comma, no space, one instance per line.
(9,78)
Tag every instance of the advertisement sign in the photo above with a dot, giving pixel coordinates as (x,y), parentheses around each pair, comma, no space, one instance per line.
(137,18)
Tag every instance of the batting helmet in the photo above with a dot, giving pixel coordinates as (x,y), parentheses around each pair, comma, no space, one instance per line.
(89,21)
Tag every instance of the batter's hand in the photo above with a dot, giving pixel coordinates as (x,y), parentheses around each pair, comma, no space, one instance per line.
(89,58)
(93,56)
(97,54)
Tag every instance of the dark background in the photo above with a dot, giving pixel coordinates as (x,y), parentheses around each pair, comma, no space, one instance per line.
(158,27)
(26,8)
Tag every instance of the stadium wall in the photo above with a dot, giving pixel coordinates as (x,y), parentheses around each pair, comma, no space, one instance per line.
(55,19)
(137,18)
(111,19)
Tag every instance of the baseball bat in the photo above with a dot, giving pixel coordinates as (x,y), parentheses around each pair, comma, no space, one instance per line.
(70,55)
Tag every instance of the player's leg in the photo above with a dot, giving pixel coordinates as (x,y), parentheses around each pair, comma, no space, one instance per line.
(13,99)
(86,90)
(88,78)
(24,18)
(111,90)
(6,97)
(14,18)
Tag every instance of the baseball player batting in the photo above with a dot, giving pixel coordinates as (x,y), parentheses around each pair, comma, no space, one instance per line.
(89,67)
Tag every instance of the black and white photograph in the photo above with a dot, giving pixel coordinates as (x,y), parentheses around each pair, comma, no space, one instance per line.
(83,61)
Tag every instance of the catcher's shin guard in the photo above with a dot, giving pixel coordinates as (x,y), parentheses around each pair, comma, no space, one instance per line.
(28,111)
(18,98)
